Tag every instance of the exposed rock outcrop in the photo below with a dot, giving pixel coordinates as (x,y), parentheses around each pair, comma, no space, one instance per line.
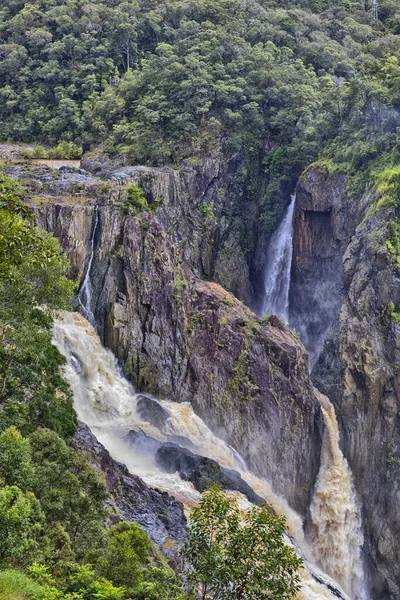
(160,515)
(202,471)
(197,211)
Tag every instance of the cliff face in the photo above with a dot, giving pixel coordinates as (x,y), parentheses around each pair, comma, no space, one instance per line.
(340,249)
(186,339)
(324,222)
(180,337)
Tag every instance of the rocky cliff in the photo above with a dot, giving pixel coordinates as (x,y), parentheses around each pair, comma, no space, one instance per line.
(343,271)
(181,337)
(161,516)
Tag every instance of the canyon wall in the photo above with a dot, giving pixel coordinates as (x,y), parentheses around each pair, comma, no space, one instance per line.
(180,337)
(342,282)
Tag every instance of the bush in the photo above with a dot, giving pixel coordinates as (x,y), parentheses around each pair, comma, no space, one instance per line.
(65,150)
(137,201)
(236,555)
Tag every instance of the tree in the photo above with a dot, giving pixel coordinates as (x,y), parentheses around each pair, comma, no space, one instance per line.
(69,490)
(126,550)
(235,555)
(15,460)
(32,274)
(21,526)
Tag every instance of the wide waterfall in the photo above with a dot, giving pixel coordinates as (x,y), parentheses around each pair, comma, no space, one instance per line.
(107,403)
(277,271)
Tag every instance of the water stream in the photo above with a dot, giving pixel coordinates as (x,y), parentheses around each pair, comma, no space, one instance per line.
(277,270)
(335,514)
(85,292)
(107,403)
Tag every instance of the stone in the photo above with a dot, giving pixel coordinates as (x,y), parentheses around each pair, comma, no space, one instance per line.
(151,411)
(160,515)
(202,471)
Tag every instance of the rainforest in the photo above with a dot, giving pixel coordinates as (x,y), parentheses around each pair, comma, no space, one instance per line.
(199,300)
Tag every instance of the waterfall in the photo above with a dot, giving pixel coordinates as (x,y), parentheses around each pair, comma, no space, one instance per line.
(107,403)
(336,519)
(85,292)
(337,538)
(279,262)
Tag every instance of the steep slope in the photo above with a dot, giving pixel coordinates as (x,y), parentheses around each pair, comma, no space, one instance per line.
(180,337)
(344,272)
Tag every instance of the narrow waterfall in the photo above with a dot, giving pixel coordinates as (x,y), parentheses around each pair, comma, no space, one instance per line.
(107,403)
(85,292)
(337,539)
(277,272)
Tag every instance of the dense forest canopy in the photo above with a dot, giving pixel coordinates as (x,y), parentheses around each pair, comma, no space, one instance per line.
(158,82)
(182,72)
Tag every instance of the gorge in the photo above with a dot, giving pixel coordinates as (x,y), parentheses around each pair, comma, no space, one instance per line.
(199,284)
(260,363)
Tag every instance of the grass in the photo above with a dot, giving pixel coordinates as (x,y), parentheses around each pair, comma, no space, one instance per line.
(14,585)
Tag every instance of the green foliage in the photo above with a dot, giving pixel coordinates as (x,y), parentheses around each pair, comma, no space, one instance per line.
(179,286)
(387,187)
(158,584)
(65,150)
(393,313)
(15,460)
(21,523)
(15,585)
(126,550)
(137,200)
(82,582)
(207,210)
(32,273)
(235,555)
(69,490)
(393,241)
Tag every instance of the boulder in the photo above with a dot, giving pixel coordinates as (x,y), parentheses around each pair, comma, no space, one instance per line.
(202,471)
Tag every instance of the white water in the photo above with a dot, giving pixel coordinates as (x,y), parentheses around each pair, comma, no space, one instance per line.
(277,271)
(335,515)
(107,402)
(85,293)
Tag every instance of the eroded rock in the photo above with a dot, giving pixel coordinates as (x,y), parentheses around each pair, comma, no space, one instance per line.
(202,471)
(160,515)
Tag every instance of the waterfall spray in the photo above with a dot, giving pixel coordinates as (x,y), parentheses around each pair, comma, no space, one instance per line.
(85,293)
(279,262)
(336,519)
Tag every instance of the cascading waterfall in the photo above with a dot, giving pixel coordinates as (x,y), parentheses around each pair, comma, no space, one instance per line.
(336,519)
(107,403)
(85,292)
(335,515)
(277,272)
